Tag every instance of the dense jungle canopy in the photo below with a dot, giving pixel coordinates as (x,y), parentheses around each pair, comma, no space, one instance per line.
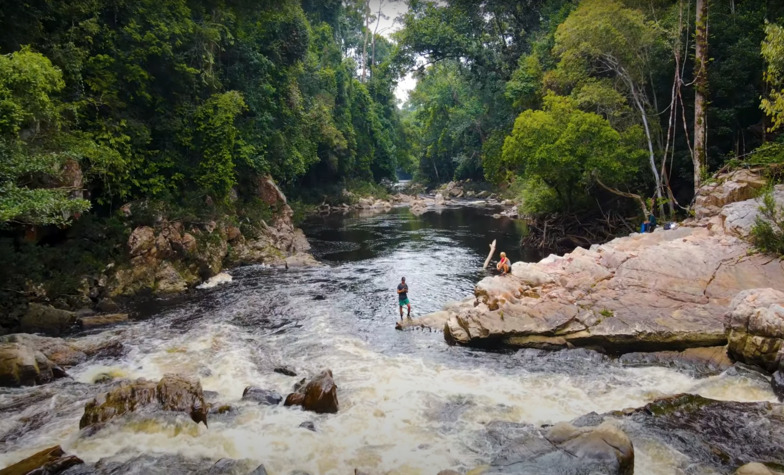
(570,103)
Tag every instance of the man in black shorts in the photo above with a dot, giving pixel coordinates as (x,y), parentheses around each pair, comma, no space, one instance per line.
(402,297)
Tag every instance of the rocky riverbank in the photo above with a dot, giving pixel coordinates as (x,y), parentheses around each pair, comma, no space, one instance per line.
(168,256)
(699,285)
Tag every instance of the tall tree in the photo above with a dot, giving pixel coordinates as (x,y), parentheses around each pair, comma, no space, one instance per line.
(701,91)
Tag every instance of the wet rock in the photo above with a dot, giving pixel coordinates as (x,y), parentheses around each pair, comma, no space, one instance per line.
(168,279)
(160,464)
(96,321)
(319,395)
(700,362)
(448,472)
(287,370)
(756,327)
(20,365)
(431,320)
(777,383)
(66,353)
(715,435)
(260,470)
(172,393)
(262,396)
(309,425)
(562,448)
(47,320)
(46,462)
(756,468)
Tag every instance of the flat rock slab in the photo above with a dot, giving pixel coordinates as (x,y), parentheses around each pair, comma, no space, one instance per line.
(96,321)
(661,291)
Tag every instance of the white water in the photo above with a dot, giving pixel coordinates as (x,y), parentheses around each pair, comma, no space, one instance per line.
(409,404)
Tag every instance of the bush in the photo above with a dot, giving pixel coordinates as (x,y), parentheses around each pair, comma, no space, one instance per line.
(767,235)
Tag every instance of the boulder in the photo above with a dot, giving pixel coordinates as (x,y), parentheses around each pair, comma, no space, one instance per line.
(562,448)
(319,395)
(739,185)
(756,327)
(700,362)
(739,218)
(172,393)
(96,321)
(66,353)
(46,462)
(141,241)
(269,192)
(262,396)
(20,365)
(168,279)
(47,320)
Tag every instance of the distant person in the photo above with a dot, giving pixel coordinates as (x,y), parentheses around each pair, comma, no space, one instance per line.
(402,297)
(503,264)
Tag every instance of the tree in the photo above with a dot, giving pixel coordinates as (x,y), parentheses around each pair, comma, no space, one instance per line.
(701,90)
(773,52)
(604,38)
(568,149)
(39,178)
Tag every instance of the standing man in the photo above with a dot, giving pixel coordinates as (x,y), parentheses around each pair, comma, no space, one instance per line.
(402,297)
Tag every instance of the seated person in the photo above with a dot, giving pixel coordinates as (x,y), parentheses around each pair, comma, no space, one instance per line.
(503,264)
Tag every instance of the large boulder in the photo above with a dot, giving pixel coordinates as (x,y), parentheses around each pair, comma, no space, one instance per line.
(46,462)
(47,320)
(756,327)
(756,468)
(20,365)
(141,241)
(739,185)
(172,393)
(265,397)
(562,448)
(739,218)
(320,395)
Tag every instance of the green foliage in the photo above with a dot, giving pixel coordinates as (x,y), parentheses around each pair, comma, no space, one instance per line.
(566,148)
(773,52)
(34,162)
(767,234)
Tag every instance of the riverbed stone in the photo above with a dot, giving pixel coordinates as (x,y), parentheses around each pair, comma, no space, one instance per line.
(701,362)
(562,448)
(47,320)
(262,396)
(318,395)
(21,365)
(719,435)
(172,393)
(777,383)
(756,327)
(46,462)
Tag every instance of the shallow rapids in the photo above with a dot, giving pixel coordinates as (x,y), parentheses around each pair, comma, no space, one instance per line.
(409,404)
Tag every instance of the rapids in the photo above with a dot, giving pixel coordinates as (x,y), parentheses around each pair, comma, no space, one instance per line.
(409,403)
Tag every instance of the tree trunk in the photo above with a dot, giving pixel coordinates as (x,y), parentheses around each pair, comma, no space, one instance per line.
(365,42)
(701,90)
(489,256)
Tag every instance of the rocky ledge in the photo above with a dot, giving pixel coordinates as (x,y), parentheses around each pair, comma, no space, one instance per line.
(667,290)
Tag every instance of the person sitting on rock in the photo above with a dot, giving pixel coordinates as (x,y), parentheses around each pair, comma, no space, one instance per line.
(503,264)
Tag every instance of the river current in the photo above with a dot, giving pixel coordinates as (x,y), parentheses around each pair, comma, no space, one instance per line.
(409,404)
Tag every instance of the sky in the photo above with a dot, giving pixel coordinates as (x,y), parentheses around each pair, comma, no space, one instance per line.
(391,10)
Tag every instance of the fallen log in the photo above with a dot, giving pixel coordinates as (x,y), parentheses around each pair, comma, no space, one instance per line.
(489,256)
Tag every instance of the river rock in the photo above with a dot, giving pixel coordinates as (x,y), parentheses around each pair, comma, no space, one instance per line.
(562,448)
(20,365)
(756,327)
(739,218)
(95,321)
(141,241)
(320,395)
(262,396)
(285,370)
(46,462)
(714,435)
(777,383)
(756,468)
(701,362)
(47,320)
(172,393)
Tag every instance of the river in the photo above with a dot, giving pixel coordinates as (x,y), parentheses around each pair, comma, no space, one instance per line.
(409,404)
